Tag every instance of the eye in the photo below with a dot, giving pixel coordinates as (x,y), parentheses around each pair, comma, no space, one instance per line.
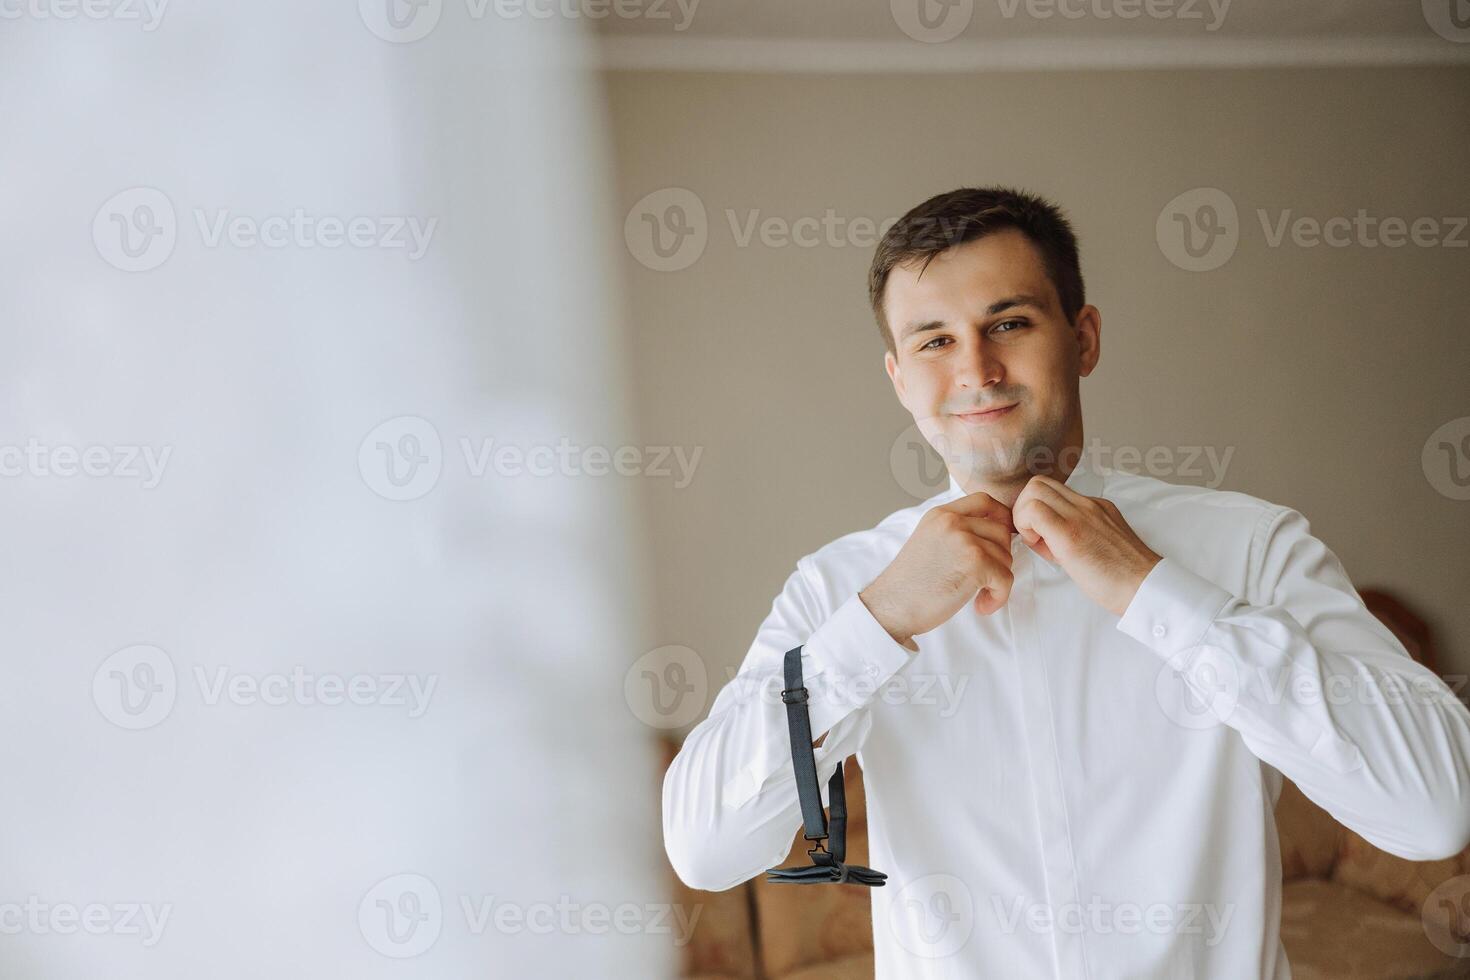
(1008,323)
(930,344)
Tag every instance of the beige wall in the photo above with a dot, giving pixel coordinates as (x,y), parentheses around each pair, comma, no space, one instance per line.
(1323,369)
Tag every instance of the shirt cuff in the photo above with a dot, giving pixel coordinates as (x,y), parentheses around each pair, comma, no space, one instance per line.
(853,652)
(1172,610)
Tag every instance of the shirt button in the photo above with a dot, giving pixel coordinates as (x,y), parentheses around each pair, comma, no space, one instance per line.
(1160,629)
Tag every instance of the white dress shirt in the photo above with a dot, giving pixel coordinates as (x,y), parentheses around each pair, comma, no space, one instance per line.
(1055,791)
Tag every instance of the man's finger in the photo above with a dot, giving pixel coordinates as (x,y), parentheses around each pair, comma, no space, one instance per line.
(995,592)
(989,529)
(1037,544)
(981,504)
(1037,517)
(999,553)
(1062,499)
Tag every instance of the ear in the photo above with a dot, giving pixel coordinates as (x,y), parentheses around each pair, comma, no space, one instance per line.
(895,374)
(1089,338)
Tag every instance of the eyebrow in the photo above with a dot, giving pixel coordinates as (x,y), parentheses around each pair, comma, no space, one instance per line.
(999,306)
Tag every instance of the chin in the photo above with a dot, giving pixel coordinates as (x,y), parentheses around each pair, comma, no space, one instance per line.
(1002,461)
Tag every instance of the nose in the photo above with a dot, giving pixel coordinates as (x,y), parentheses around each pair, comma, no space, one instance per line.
(979,367)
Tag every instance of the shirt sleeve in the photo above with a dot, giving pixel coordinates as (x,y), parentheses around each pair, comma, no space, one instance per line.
(1318,688)
(730,804)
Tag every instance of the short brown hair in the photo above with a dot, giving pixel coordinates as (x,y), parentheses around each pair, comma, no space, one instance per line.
(959,216)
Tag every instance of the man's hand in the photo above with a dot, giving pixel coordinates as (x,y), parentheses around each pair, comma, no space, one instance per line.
(958,551)
(1088,538)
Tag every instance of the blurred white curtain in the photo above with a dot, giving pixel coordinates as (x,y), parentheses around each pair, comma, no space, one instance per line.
(208,414)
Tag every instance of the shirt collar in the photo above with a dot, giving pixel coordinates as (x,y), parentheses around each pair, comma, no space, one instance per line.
(1086,478)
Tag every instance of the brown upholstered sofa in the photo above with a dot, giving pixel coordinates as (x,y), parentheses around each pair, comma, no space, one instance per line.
(1349,910)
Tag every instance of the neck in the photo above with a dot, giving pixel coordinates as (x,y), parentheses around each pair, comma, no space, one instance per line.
(1007,487)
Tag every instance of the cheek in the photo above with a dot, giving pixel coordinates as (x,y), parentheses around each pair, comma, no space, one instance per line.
(926,386)
(1056,364)
(1046,378)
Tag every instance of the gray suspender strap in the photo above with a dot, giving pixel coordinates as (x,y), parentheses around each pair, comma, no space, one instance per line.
(826,866)
(803,758)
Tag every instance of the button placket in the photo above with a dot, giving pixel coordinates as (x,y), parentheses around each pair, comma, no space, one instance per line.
(1057,859)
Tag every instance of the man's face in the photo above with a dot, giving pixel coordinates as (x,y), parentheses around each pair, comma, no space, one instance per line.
(983,329)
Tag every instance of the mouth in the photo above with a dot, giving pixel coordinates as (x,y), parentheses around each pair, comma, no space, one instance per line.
(984,418)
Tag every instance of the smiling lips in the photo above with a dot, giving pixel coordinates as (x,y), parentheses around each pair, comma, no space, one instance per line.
(985,418)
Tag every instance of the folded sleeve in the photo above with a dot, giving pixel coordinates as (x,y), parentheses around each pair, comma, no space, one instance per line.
(1318,688)
(730,805)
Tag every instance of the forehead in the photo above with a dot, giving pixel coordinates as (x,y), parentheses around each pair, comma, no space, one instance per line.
(1004,263)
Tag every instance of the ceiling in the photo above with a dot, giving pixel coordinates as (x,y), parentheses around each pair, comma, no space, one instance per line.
(922,35)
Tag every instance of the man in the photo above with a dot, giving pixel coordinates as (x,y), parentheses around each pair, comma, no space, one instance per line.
(1133,666)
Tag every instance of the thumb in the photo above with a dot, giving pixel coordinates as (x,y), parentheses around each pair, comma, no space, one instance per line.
(1037,544)
(992,596)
